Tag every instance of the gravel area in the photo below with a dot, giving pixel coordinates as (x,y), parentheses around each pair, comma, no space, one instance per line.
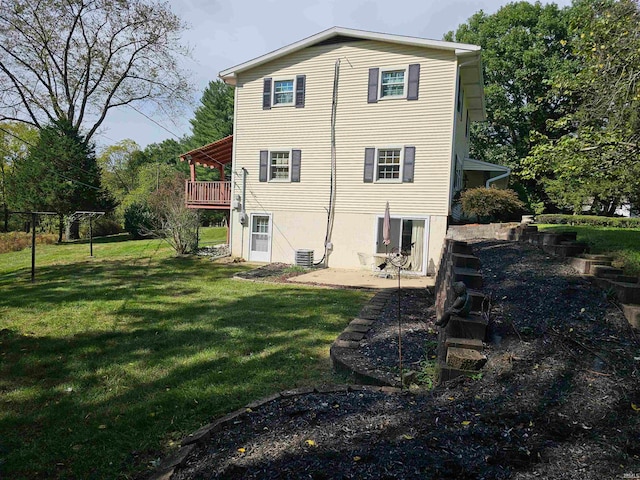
(559,397)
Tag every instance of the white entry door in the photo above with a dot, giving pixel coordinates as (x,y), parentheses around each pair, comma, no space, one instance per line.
(260,241)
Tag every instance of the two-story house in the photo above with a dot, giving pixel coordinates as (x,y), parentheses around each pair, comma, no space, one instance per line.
(329,129)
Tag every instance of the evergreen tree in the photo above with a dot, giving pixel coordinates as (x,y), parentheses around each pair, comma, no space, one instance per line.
(60,174)
(213,119)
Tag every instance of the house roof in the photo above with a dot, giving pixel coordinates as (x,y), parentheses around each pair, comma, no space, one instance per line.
(479,165)
(229,75)
(213,155)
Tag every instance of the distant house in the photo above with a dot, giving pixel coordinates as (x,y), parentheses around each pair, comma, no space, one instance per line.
(329,129)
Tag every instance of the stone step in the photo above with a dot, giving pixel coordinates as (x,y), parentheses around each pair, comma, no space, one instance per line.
(632,313)
(473,326)
(477,300)
(550,238)
(626,292)
(530,228)
(465,261)
(604,270)
(445,373)
(585,265)
(461,247)
(465,358)
(622,278)
(597,256)
(471,278)
(470,343)
(568,249)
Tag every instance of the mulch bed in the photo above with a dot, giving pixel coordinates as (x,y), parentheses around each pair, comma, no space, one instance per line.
(555,400)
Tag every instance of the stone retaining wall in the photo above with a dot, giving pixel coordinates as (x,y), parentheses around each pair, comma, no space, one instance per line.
(460,343)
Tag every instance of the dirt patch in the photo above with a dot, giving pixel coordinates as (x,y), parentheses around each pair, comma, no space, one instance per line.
(273,272)
(558,399)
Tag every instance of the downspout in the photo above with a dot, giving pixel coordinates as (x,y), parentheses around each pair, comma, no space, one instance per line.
(243,213)
(499,177)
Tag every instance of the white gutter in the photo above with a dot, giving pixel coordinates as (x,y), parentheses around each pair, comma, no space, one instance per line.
(499,177)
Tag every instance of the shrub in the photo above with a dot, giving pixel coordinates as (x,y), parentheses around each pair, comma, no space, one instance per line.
(591,220)
(16,241)
(491,204)
(102,226)
(139,220)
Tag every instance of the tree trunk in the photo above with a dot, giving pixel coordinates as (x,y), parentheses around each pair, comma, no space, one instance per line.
(73,230)
(6,218)
(60,227)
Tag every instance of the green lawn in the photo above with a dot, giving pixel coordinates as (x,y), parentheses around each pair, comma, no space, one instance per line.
(622,243)
(107,362)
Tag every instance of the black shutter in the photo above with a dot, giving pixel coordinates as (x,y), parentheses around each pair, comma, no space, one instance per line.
(414,81)
(409,162)
(300,86)
(373,85)
(266,94)
(264,165)
(369,164)
(295,165)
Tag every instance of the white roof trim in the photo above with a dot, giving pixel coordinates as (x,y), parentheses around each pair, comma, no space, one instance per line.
(479,165)
(458,48)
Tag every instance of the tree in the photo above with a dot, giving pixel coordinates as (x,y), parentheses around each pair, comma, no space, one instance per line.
(172,220)
(60,173)
(15,139)
(596,160)
(120,168)
(75,60)
(523,46)
(213,119)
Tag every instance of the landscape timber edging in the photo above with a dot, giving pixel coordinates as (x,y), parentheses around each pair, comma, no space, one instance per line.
(343,350)
(178,458)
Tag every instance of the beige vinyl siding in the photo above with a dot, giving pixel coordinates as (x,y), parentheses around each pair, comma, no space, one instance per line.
(461,142)
(426,124)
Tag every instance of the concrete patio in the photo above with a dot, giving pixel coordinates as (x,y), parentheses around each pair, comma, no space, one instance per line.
(361,279)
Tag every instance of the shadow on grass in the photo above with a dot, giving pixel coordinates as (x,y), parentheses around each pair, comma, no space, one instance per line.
(140,355)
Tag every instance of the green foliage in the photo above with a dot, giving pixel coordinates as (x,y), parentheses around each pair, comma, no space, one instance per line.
(591,220)
(213,119)
(60,173)
(15,139)
(138,220)
(491,204)
(102,226)
(590,156)
(523,45)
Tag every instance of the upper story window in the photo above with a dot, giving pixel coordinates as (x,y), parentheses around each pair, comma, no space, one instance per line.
(279,167)
(392,83)
(396,82)
(389,163)
(283,92)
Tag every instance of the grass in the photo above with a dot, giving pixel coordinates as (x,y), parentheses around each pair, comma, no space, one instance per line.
(622,243)
(107,362)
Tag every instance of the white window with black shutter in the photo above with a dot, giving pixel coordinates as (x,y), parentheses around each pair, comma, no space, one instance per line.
(284,92)
(280,165)
(389,164)
(393,83)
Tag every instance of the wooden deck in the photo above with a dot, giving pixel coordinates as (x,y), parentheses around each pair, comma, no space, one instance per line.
(213,195)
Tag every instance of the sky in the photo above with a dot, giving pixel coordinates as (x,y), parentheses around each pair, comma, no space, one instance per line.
(225,33)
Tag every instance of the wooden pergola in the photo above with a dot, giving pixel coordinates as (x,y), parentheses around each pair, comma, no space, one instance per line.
(212,195)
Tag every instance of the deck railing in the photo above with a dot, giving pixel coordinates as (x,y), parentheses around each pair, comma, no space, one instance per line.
(208,193)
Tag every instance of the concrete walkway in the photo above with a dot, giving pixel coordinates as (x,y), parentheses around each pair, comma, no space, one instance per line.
(361,279)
